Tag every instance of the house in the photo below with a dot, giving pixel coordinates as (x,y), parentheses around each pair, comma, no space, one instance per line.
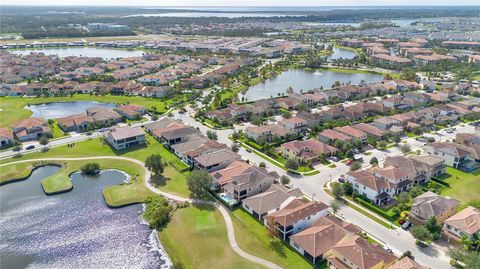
(407,263)
(269,201)
(215,160)
(455,155)
(124,137)
(353,133)
(429,205)
(241,180)
(170,131)
(206,146)
(296,124)
(472,141)
(31,128)
(371,130)
(296,216)
(419,168)
(315,242)
(77,122)
(131,111)
(103,116)
(464,223)
(329,136)
(308,150)
(355,252)
(6,137)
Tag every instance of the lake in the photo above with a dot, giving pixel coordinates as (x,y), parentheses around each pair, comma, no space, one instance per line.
(74,229)
(85,52)
(64,109)
(304,80)
(339,52)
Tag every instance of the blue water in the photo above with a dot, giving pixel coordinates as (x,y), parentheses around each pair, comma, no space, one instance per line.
(74,229)
(63,109)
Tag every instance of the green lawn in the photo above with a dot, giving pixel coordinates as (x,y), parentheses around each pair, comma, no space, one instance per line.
(463,186)
(175,182)
(126,194)
(14,172)
(57,183)
(253,238)
(13,108)
(56,131)
(196,237)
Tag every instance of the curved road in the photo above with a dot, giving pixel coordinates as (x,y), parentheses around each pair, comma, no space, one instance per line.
(223,211)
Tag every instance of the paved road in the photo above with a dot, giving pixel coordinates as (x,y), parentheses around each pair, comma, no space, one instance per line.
(226,216)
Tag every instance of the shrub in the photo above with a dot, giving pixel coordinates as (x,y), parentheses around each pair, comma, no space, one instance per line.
(157,212)
(90,168)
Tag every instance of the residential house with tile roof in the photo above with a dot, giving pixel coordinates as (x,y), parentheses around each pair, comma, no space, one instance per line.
(455,155)
(306,150)
(429,204)
(6,137)
(464,223)
(30,129)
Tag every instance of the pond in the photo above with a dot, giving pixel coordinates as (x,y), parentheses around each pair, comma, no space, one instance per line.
(74,229)
(339,53)
(304,80)
(86,52)
(63,109)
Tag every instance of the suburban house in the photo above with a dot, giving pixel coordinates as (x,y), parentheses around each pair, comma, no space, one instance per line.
(419,168)
(169,131)
(215,160)
(205,148)
(267,132)
(104,116)
(371,130)
(329,136)
(276,197)
(296,216)
(315,243)
(308,150)
(241,180)
(6,137)
(353,133)
(407,263)
(472,141)
(296,124)
(31,128)
(455,155)
(429,205)
(355,252)
(77,122)
(464,223)
(124,137)
(131,111)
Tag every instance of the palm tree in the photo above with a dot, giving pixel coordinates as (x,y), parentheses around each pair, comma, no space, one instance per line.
(466,242)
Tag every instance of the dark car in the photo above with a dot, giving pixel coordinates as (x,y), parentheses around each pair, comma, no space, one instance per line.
(406,225)
(30,147)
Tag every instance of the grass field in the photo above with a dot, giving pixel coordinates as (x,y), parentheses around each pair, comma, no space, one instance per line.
(463,186)
(196,237)
(13,108)
(175,182)
(14,172)
(126,194)
(253,238)
(57,183)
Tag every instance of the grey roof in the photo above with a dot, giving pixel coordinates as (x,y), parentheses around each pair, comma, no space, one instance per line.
(217,157)
(430,204)
(125,132)
(271,198)
(190,143)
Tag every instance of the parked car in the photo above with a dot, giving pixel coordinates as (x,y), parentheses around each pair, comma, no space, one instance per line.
(248,150)
(30,147)
(341,179)
(334,158)
(349,162)
(356,151)
(359,159)
(407,225)
(387,249)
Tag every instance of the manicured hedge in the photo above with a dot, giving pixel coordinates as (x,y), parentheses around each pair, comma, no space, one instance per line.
(386,214)
(441,182)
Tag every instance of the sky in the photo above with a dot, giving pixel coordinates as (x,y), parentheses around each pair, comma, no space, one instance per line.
(242,2)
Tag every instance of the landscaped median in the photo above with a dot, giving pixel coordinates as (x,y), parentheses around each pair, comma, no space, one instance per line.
(57,183)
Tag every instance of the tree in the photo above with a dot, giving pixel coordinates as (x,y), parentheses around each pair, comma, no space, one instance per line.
(235,148)
(17,147)
(355,166)
(90,168)
(291,164)
(335,206)
(421,233)
(415,191)
(338,144)
(472,260)
(349,154)
(235,135)
(434,228)
(374,161)
(277,245)
(199,182)
(347,187)
(405,148)
(262,165)
(357,143)
(154,164)
(407,253)
(456,254)
(337,190)
(43,141)
(212,135)
(382,144)
(157,212)
(285,180)
(403,198)
(154,117)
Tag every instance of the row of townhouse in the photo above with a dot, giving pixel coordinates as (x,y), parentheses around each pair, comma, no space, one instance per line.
(240,112)
(315,234)
(191,146)
(398,174)
(462,153)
